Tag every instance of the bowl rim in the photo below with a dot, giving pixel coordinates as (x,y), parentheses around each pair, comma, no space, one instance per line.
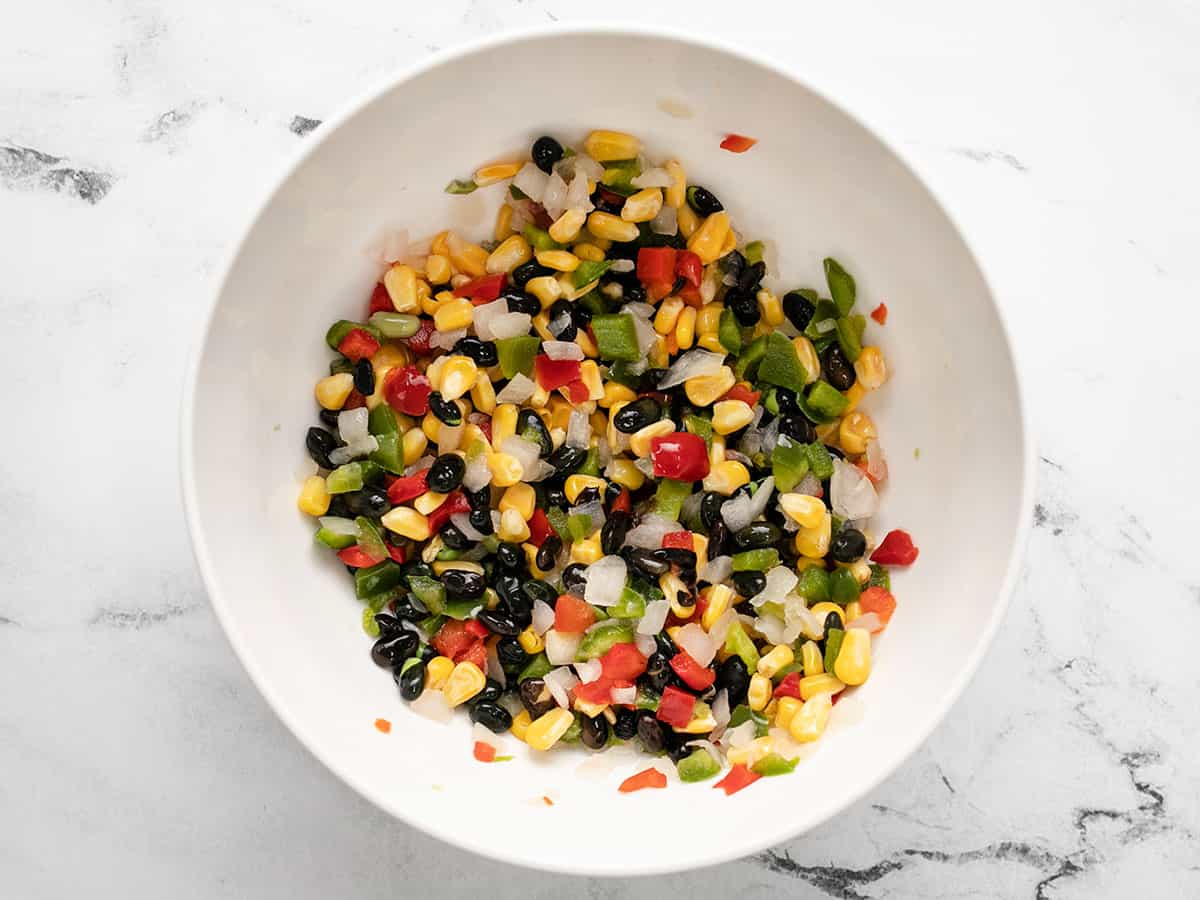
(770,835)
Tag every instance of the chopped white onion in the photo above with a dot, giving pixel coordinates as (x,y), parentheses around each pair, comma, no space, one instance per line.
(780,582)
(352,424)
(594,510)
(477,475)
(510,325)
(656,177)
(877,466)
(531,181)
(484,315)
(432,705)
(721,711)
(522,214)
(810,485)
(559,682)
(770,627)
(419,466)
(577,194)
(870,621)
(605,581)
(523,451)
(540,471)
(741,510)
(543,616)
(639,310)
(666,222)
(339,525)
(624,695)
(579,429)
(462,521)
(650,532)
(708,747)
(353,451)
(580,163)
(740,735)
(445,340)
(646,335)
(562,349)
(645,465)
(519,389)
(645,643)
(696,642)
(654,618)
(691,365)
(494,669)
(851,493)
(561,647)
(554,197)
(720,628)
(717,569)
(589,671)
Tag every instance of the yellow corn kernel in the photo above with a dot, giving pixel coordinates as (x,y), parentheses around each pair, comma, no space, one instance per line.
(567,227)
(429,305)
(781,655)
(642,206)
(598,422)
(828,433)
(685,328)
(668,315)
(546,729)
(332,390)
(577,484)
(821,610)
(711,343)
(612,228)
(719,599)
(504,423)
(676,192)
(808,724)
(614,391)
(401,284)
(494,172)
(772,309)
(823,683)
(687,220)
(589,374)
(853,611)
(870,368)
(503,227)
(587,345)
(589,252)
(853,663)
(428,502)
(759,693)
(512,528)
(716,452)
(708,319)
(699,724)
(559,260)
(389,355)
(560,412)
(531,642)
(748,754)
(709,238)
(854,394)
(458,377)
(468,258)
(314,496)
(413,444)
(588,551)
(437,269)
(430,424)
(483,394)
(677,594)
(703,390)
(461,565)
(811,659)
(546,288)
(453,315)
(456,281)
(520,497)
(726,477)
(807,354)
(520,724)
(605,145)
(639,441)
(437,671)
(464,682)
(814,542)
(511,252)
(700,543)
(626,474)
(861,570)
(659,355)
(505,468)
(785,711)
(541,324)
(591,710)
(731,415)
(803,509)
(407,523)
(856,430)
(727,247)
(439,244)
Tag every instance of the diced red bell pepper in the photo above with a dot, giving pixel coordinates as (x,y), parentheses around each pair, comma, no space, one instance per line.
(879,314)
(598,691)
(475,628)
(738,143)
(419,342)
(482,290)
(675,707)
(355,400)
(679,540)
(789,687)
(358,344)
(647,778)
(701,607)
(452,638)
(408,488)
(484,752)
(691,296)
(572,615)
(879,601)
(656,270)
(358,557)
(897,549)
(624,661)
(554,373)
(381,301)
(539,528)
(694,675)
(455,502)
(741,391)
(609,198)
(624,502)
(688,267)
(682,456)
(577,392)
(542,219)
(406,390)
(397,553)
(476,653)
(737,778)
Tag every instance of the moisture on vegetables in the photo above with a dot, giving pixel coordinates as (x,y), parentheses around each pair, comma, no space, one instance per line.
(600,477)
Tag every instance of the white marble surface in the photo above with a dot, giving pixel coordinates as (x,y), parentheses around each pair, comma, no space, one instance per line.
(136,760)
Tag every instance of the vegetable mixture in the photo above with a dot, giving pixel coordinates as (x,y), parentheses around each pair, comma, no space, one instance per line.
(596,483)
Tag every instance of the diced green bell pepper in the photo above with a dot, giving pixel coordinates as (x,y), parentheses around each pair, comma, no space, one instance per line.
(369,625)
(448,555)
(646,698)
(826,311)
(540,239)
(395,325)
(789,463)
(729,332)
(517,354)
(390,452)
(602,637)
(848,339)
(843,587)
(841,286)
(516,193)
(699,425)
(558,521)
(591,463)
(880,577)
(813,585)
(431,624)
(339,329)
(333,539)
(753,252)
(579,526)
(461,186)
(589,270)
(345,479)
(738,643)
(698,765)
(462,609)
(571,735)
(669,497)
(429,591)
(382,420)
(372,473)
(619,174)
(826,400)
(631,605)
(340,364)
(774,764)
(833,646)
(749,359)
(780,365)
(535,668)
(373,580)
(820,460)
(619,372)
(756,560)
(616,337)
(743,713)
(370,538)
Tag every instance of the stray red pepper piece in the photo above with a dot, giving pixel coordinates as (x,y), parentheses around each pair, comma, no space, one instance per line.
(623,661)
(741,391)
(624,502)
(675,707)
(737,778)
(897,549)
(555,373)
(572,615)
(648,778)
(679,540)
(484,752)
(419,342)
(738,143)
(381,301)
(384,726)
(789,687)
(681,456)
(694,675)
(879,314)
(482,290)
(455,502)
(408,488)
(357,557)
(406,390)
(688,267)
(539,528)
(577,392)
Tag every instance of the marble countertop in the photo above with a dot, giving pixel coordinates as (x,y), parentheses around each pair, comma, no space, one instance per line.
(138,760)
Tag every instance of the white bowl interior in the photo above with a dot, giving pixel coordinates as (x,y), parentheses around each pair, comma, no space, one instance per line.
(817,184)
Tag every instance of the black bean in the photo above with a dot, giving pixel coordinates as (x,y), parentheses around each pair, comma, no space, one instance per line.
(837,369)
(588,495)
(678,557)
(508,586)
(328,417)
(364,377)
(634,293)
(648,380)
(650,732)
(744,306)
(524,273)
(703,201)
(546,152)
(649,562)
(320,443)
(677,746)
(519,301)
(538,590)
(574,579)
(520,607)
(756,536)
(560,313)
(593,731)
(531,427)
(481,520)
(388,652)
(748,584)
(408,607)
(835,451)
(848,545)
(556,497)
(658,671)
(547,554)
(492,716)
(511,654)
(581,316)
(734,677)
(637,415)
(453,538)
(611,492)
(626,725)
(411,681)
(480,499)
(511,556)
(492,689)
(339,506)
(612,535)
(733,263)
(482,352)
(463,585)
(750,279)
(444,410)
(567,459)
(718,539)
(536,697)
(389,626)
(832,621)
(499,622)
(446,473)
(798,308)
(606,201)
(710,508)
(370,501)
(797,427)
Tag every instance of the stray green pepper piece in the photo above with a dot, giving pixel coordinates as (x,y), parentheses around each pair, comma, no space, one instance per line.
(370,626)
(462,609)
(738,643)
(848,339)
(588,271)
(571,735)
(591,464)
(700,426)
(579,526)
(826,400)
(390,453)
(729,332)
(619,174)
(345,479)
(619,372)
(461,186)
(833,646)
(559,522)
(780,365)
(774,764)
(429,591)
(756,560)
(535,668)
(841,286)
(669,497)
(789,463)
(376,579)
(698,765)
(603,637)
(813,585)
(382,420)
(517,354)
(616,337)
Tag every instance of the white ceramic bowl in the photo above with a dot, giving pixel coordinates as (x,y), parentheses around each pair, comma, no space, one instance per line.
(817,184)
